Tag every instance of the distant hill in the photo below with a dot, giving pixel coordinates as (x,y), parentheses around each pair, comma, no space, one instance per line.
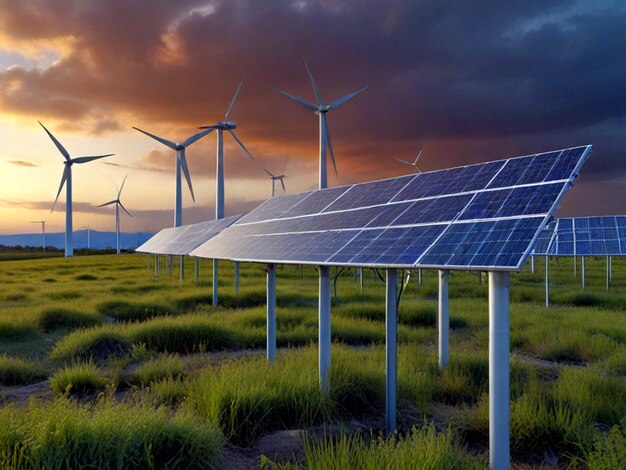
(97,240)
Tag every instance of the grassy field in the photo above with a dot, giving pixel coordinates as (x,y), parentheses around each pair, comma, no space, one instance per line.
(103,364)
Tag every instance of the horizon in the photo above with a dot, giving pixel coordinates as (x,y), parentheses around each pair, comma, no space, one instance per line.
(510,81)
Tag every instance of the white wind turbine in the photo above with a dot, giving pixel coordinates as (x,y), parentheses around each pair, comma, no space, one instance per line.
(43,231)
(67,177)
(275,178)
(413,163)
(118,204)
(181,164)
(321,109)
(221,126)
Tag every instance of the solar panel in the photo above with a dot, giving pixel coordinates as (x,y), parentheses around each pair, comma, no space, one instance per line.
(484,216)
(181,240)
(584,236)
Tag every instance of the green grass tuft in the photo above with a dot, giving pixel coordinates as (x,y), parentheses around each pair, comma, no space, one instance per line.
(54,318)
(18,371)
(165,366)
(78,379)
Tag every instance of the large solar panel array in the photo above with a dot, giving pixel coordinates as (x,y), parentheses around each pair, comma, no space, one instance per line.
(484,216)
(584,236)
(181,240)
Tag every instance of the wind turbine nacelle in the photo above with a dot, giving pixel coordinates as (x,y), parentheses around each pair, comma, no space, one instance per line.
(230,124)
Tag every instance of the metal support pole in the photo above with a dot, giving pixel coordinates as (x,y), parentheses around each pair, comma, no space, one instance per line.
(181,268)
(391,350)
(547,289)
(237,278)
(444,318)
(607,273)
(532,264)
(196,268)
(499,381)
(419,276)
(170,263)
(575,265)
(271,312)
(157,265)
(324,328)
(610,270)
(361,278)
(215,286)
(582,269)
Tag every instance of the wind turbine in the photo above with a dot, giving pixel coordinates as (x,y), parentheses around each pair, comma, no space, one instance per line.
(118,204)
(43,231)
(88,236)
(413,163)
(275,178)
(67,176)
(321,108)
(181,164)
(221,126)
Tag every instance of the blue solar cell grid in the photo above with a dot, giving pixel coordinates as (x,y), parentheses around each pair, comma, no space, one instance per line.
(478,216)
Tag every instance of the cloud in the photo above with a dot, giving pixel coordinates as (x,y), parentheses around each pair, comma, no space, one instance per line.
(22,163)
(474,81)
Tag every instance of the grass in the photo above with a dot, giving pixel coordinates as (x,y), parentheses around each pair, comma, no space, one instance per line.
(19,371)
(162,367)
(107,435)
(422,448)
(78,379)
(165,347)
(60,317)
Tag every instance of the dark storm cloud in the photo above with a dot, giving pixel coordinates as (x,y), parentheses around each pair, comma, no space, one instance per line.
(475,80)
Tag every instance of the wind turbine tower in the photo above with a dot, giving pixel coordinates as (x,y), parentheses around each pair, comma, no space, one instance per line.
(275,178)
(229,126)
(43,231)
(118,204)
(321,109)
(181,165)
(67,177)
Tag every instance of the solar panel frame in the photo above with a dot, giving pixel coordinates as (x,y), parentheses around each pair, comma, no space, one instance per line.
(460,177)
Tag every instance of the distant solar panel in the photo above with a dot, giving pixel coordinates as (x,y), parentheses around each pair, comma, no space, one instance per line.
(484,216)
(181,240)
(584,236)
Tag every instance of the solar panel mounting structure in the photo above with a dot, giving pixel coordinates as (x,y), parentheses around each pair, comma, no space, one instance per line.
(182,240)
(585,236)
(484,217)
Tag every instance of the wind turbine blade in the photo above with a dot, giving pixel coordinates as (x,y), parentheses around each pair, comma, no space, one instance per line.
(208,127)
(285,165)
(183,164)
(232,103)
(64,152)
(119,193)
(330,145)
(122,206)
(165,142)
(348,97)
(268,172)
(240,144)
(108,203)
(282,182)
(404,162)
(88,159)
(196,137)
(300,101)
(419,154)
(66,170)
(316,90)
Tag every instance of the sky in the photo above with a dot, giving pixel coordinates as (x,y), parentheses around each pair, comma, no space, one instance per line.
(473,81)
